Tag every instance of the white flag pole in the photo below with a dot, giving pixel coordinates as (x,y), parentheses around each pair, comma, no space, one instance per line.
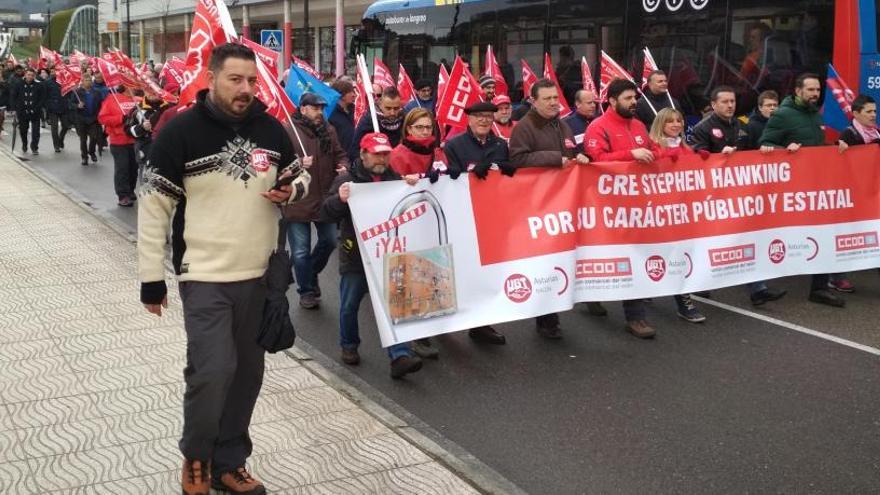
(368,88)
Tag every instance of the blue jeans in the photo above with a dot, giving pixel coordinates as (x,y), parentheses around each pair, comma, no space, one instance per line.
(352,289)
(308,262)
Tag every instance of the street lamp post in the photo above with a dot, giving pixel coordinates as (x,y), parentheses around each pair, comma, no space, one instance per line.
(48,18)
(128,27)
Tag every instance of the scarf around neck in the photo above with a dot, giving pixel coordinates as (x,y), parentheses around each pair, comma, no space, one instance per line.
(869,134)
(318,129)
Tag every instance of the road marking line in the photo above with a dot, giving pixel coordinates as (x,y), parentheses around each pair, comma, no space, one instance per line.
(791,326)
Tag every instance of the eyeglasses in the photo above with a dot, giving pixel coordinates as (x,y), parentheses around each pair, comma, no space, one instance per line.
(483,116)
(421,127)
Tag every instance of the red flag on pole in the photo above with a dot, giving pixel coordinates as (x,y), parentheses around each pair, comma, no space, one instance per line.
(549,73)
(125,67)
(405,86)
(528,76)
(173,69)
(587,77)
(610,70)
(212,26)
(111,74)
(68,79)
(360,101)
(77,57)
(267,56)
(381,75)
(442,79)
(648,66)
(494,71)
(461,92)
(270,92)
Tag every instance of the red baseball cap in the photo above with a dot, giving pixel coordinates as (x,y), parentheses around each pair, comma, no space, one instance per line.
(376,142)
(501,100)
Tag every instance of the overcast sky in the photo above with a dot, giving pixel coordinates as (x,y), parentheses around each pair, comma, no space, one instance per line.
(32,6)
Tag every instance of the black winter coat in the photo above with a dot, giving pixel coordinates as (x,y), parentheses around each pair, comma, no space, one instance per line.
(343,122)
(334,210)
(365,126)
(852,137)
(28,99)
(754,129)
(714,133)
(464,150)
(661,101)
(55,103)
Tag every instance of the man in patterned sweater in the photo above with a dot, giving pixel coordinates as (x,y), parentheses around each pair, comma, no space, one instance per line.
(210,181)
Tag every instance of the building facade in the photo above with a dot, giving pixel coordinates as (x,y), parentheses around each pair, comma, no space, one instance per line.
(159,29)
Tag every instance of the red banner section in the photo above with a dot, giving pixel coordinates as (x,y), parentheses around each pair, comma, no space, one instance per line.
(550,211)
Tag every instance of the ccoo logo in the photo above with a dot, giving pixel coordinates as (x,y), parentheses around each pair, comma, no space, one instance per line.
(655,266)
(776,251)
(518,288)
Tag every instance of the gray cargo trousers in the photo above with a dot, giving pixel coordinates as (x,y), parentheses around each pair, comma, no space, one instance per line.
(224,370)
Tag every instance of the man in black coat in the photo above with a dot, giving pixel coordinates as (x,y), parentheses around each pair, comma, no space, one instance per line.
(768,102)
(389,111)
(655,97)
(584,113)
(87,101)
(28,98)
(57,112)
(721,131)
(342,118)
(371,165)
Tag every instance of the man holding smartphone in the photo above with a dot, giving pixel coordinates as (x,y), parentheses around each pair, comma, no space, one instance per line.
(213,180)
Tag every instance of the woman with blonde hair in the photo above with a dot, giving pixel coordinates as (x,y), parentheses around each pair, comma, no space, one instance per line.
(668,132)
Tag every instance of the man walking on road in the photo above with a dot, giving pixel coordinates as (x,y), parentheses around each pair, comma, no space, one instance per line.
(541,139)
(28,98)
(324,158)
(212,169)
(795,124)
(87,102)
(112,116)
(57,112)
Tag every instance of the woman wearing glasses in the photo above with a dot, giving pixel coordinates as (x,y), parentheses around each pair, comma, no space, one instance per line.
(418,151)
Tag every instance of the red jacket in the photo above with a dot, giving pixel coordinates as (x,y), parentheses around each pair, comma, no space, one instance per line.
(504,131)
(610,138)
(406,161)
(113,112)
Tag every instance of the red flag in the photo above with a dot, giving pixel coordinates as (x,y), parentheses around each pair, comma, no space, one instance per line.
(648,66)
(494,71)
(549,73)
(142,79)
(381,75)
(587,76)
(360,102)
(173,69)
(461,92)
(840,91)
(267,56)
(302,64)
(124,66)
(610,70)
(528,77)
(442,79)
(111,74)
(77,57)
(270,92)
(405,86)
(211,27)
(49,55)
(67,78)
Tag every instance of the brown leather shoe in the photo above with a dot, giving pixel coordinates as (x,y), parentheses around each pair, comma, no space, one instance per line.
(238,481)
(196,477)
(350,357)
(640,329)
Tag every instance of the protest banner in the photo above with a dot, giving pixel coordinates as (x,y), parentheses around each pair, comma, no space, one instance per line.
(459,254)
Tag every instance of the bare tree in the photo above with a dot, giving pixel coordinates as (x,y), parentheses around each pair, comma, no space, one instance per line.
(163,7)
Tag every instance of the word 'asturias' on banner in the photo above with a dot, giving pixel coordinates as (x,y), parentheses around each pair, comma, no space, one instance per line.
(459,254)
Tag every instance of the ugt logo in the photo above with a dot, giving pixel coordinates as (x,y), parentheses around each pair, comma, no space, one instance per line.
(655,266)
(518,288)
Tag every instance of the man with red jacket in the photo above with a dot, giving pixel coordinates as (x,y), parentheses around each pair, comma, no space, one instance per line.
(113,111)
(617,136)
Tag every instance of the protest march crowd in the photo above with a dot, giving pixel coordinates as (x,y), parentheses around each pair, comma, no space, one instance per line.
(221,142)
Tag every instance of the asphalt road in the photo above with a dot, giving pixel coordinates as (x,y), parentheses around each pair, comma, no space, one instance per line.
(735,405)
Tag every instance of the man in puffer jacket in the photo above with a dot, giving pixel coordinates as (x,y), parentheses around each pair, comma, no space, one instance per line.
(113,111)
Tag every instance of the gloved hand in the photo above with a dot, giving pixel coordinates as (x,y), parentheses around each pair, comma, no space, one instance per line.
(703,154)
(453,172)
(481,170)
(508,169)
(433,175)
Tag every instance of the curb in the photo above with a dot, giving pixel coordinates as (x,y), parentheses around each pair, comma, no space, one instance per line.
(450,455)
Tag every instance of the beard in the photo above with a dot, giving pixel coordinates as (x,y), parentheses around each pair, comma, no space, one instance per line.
(625,112)
(391,124)
(812,104)
(228,105)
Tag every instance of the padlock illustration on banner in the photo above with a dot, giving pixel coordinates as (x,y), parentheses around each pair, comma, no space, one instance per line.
(421,283)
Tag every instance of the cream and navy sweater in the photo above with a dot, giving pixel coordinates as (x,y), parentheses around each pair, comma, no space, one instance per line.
(203,184)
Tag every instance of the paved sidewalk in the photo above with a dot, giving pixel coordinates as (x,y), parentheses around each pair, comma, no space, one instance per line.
(91,385)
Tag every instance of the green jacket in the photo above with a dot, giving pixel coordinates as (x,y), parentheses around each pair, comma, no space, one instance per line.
(793,123)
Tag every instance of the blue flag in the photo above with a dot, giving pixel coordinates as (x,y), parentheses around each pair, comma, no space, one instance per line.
(838,98)
(299,82)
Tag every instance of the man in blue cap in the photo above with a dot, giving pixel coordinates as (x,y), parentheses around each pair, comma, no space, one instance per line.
(317,143)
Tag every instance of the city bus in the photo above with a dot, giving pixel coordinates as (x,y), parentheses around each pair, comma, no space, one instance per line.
(752,45)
